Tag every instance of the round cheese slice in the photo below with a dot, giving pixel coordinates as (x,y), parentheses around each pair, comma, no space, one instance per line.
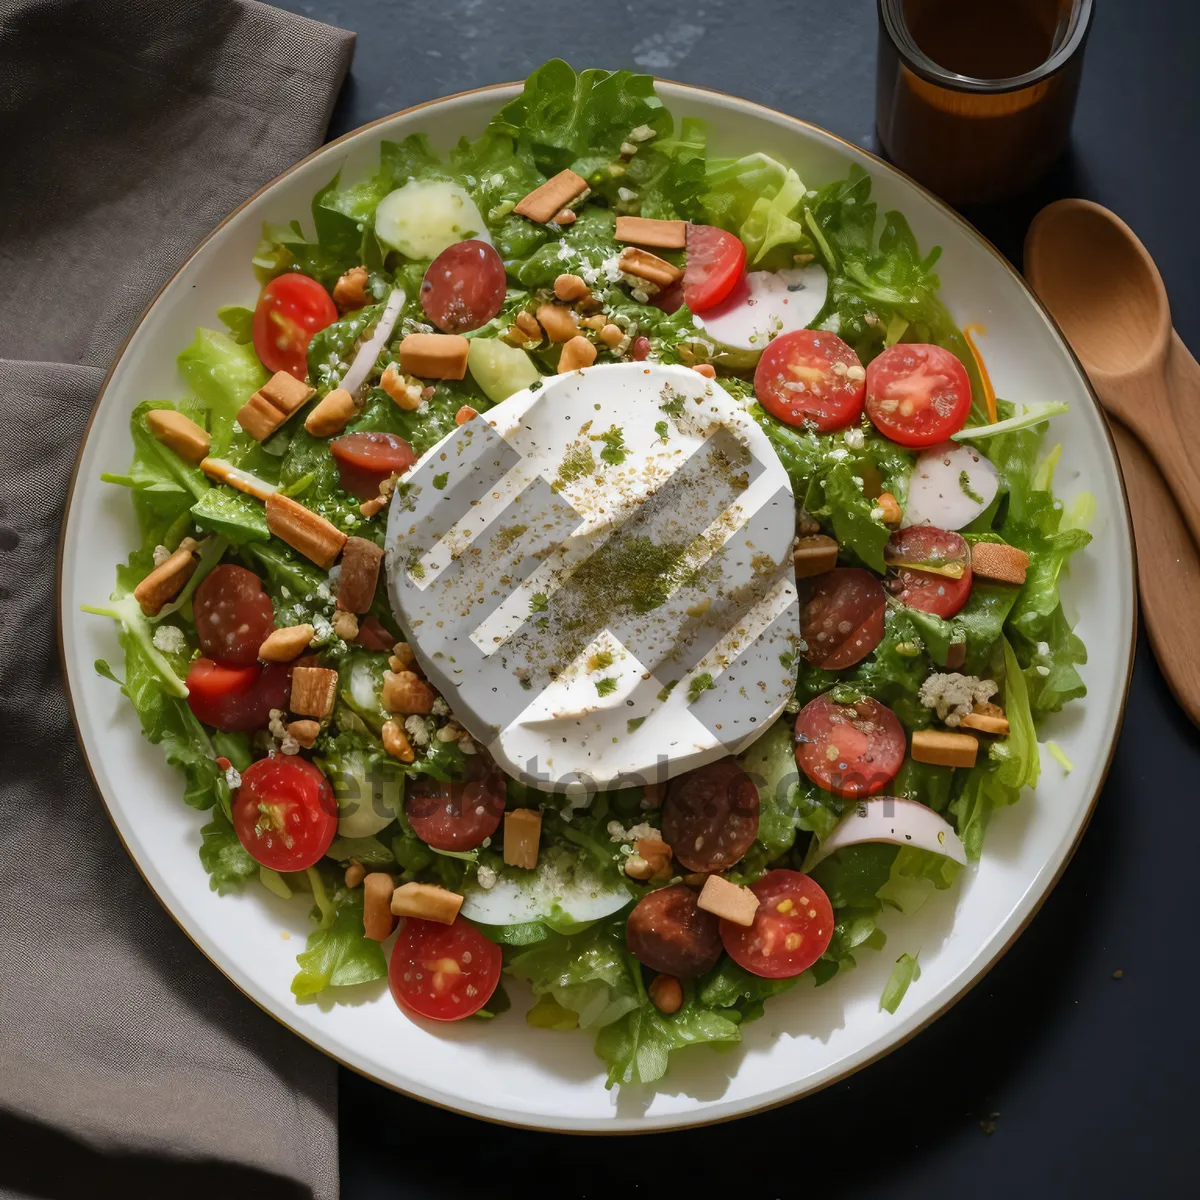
(597,576)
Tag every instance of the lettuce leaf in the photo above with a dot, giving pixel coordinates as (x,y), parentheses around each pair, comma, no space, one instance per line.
(223,374)
(226,860)
(338,953)
(904,973)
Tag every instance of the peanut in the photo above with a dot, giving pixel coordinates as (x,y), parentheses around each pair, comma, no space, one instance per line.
(565,216)
(396,742)
(355,873)
(666,993)
(282,645)
(891,510)
(577,353)
(404,692)
(179,433)
(526,322)
(350,292)
(305,732)
(345,625)
(570,288)
(558,322)
(377,905)
(612,336)
(331,415)
(369,508)
(406,395)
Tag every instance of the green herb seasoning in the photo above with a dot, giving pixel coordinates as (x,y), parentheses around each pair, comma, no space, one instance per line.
(439,481)
(614,446)
(964,482)
(699,685)
(662,429)
(606,686)
(577,462)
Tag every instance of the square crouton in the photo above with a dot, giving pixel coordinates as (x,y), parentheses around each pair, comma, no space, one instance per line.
(728,901)
(944,749)
(1004,564)
(314,690)
(522,833)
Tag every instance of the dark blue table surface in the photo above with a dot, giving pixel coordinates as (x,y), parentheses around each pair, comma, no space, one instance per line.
(1051,1077)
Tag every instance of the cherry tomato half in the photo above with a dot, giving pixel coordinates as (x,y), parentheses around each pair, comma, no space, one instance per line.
(851,750)
(810,376)
(234,616)
(934,591)
(917,395)
(443,972)
(715,262)
(365,460)
(459,815)
(237,698)
(284,813)
(464,287)
(792,927)
(290,310)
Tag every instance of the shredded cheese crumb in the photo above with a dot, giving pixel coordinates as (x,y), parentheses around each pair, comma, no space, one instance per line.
(486,877)
(440,708)
(161,554)
(417,730)
(953,696)
(170,640)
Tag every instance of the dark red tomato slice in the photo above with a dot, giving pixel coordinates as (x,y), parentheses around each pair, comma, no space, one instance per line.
(668,932)
(917,395)
(851,750)
(792,927)
(842,618)
(373,635)
(457,816)
(290,310)
(715,262)
(811,377)
(284,813)
(234,616)
(937,590)
(464,287)
(443,972)
(365,460)
(710,815)
(237,698)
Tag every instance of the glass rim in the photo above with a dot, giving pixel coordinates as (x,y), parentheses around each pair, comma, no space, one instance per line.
(891,14)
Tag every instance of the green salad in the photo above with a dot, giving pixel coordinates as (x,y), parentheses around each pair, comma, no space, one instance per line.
(587,227)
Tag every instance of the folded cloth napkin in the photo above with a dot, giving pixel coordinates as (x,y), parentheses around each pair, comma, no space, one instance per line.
(129,128)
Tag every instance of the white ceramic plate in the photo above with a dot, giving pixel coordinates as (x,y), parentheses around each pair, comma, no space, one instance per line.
(503,1070)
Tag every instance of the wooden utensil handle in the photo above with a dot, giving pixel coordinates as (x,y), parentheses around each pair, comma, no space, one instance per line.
(1172,443)
(1183,395)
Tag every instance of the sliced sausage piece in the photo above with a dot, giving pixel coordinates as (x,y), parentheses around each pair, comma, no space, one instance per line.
(945,586)
(851,750)
(842,618)
(457,815)
(668,933)
(710,816)
(234,616)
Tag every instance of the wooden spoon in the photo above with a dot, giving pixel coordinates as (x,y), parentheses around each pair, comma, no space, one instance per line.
(1104,290)
(1168,563)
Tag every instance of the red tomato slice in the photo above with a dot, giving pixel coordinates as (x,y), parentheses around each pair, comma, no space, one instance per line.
(237,698)
(373,634)
(457,816)
(918,395)
(234,616)
(464,287)
(284,813)
(933,591)
(443,972)
(715,262)
(792,927)
(811,377)
(290,310)
(851,750)
(842,618)
(365,460)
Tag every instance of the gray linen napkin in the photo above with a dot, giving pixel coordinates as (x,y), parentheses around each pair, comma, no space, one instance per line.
(127,130)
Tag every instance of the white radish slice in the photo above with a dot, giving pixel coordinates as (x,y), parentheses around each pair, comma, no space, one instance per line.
(425,216)
(893,820)
(369,352)
(560,887)
(766,304)
(949,487)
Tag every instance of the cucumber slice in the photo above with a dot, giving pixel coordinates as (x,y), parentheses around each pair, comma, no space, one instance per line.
(500,370)
(425,216)
(369,792)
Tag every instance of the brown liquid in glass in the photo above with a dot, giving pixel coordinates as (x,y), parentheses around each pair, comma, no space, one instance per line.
(985,39)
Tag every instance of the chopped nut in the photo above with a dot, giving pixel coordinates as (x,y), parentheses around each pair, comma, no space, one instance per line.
(656,854)
(222,472)
(645,231)
(570,288)
(994,560)
(612,336)
(345,625)
(983,722)
(649,266)
(705,369)
(360,575)
(577,353)
(728,901)
(565,216)
(426,901)
(465,414)
(355,873)
(331,415)
(406,395)
(283,645)
(313,691)
(350,292)
(272,404)
(890,508)
(403,657)
(304,531)
(558,322)
(814,555)
(526,322)
(396,743)
(522,833)
(378,920)
(166,581)
(545,202)
(179,433)
(304,732)
(434,355)
(944,749)
(405,692)
(666,993)
(595,323)
(369,508)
